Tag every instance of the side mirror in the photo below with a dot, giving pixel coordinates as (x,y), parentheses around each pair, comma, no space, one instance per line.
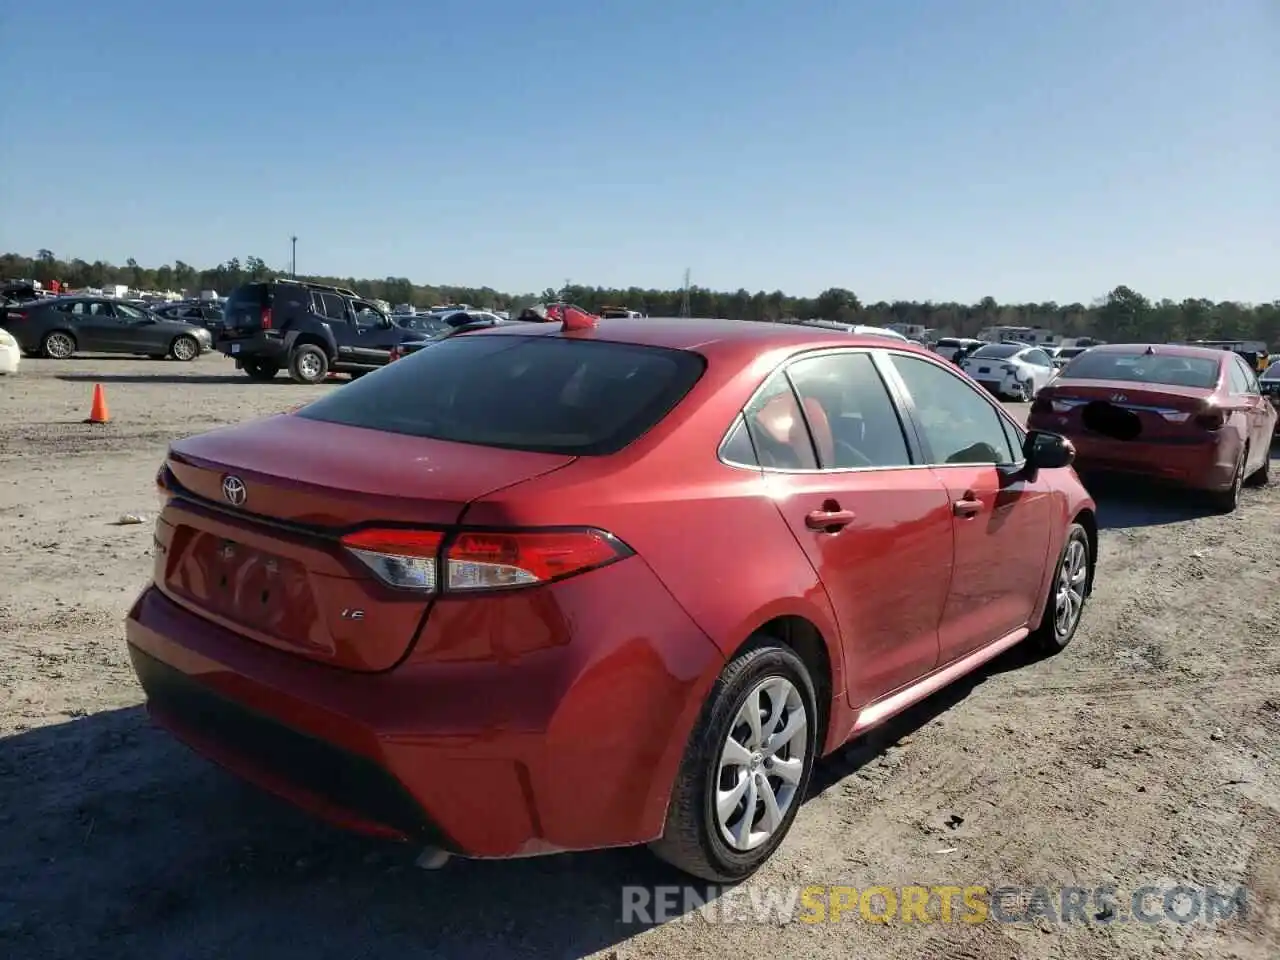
(1047,451)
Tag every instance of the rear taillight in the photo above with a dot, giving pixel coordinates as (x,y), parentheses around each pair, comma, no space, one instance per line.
(266,318)
(394,355)
(16,315)
(481,560)
(1211,420)
(164,485)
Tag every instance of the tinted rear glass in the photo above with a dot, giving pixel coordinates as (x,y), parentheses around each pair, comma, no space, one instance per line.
(1273,372)
(1143,368)
(543,394)
(995,351)
(245,304)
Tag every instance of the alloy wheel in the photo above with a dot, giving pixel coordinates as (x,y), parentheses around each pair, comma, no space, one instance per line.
(59,346)
(761,764)
(184,348)
(1072,579)
(309,366)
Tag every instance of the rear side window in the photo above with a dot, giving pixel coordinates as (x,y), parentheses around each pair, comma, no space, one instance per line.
(541,394)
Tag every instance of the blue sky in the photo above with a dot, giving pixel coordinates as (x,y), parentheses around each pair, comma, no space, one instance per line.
(919,149)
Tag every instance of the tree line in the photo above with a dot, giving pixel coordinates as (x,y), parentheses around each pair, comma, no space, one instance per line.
(1121,315)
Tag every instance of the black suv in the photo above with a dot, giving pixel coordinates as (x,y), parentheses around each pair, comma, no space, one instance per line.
(311,329)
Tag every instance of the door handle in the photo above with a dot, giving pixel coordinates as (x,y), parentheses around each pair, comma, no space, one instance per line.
(829,520)
(966,506)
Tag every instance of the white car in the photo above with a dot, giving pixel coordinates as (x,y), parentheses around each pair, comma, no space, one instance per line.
(858,329)
(10,354)
(1009,370)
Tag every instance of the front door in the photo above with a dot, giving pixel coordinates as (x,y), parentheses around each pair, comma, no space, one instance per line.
(375,334)
(876,529)
(1002,522)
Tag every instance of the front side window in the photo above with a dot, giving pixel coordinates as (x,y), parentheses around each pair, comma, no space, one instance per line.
(959,424)
(128,313)
(850,414)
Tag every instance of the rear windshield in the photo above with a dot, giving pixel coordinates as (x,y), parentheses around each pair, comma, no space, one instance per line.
(245,304)
(1143,368)
(1273,372)
(995,351)
(541,394)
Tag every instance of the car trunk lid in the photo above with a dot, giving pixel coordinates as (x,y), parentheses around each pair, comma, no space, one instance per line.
(249,537)
(1124,410)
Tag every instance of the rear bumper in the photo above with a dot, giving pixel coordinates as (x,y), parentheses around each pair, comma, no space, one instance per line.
(569,748)
(1201,466)
(258,347)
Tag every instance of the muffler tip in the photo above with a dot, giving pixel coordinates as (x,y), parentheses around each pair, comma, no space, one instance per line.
(432,858)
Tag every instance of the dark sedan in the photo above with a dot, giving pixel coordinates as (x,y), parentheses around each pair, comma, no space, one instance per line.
(450,326)
(201,313)
(60,328)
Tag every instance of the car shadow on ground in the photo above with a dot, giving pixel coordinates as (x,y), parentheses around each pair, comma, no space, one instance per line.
(157,853)
(1125,503)
(160,376)
(858,754)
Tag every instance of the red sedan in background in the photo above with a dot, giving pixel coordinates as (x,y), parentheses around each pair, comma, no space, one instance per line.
(562,586)
(1192,415)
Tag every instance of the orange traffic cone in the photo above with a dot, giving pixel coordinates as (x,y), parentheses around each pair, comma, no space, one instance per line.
(98,412)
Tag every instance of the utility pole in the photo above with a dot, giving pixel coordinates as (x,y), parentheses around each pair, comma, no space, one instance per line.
(293,262)
(685,309)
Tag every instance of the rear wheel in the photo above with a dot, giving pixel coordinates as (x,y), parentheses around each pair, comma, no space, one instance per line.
(184,348)
(1067,594)
(308,364)
(1225,501)
(261,369)
(58,345)
(746,768)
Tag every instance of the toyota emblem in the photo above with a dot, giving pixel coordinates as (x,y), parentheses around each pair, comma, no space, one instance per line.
(1118,398)
(233,489)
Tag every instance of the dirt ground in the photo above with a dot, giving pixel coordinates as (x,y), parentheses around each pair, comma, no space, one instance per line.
(1145,754)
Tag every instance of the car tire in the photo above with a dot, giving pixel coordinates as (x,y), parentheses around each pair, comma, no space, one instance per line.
(694,839)
(1068,593)
(184,348)
(261,369)
(58,345)
(1226,501)
(308,364)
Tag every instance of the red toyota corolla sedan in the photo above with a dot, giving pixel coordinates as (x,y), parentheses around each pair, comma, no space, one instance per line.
(541,589)
(1191,415)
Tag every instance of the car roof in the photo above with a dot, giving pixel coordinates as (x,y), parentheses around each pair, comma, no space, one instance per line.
(721,338)
(1162,350)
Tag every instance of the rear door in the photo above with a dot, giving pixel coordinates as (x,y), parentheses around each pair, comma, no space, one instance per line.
(96,327)
(1246,391)
(332,309)
(1003,523)
(877,530)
